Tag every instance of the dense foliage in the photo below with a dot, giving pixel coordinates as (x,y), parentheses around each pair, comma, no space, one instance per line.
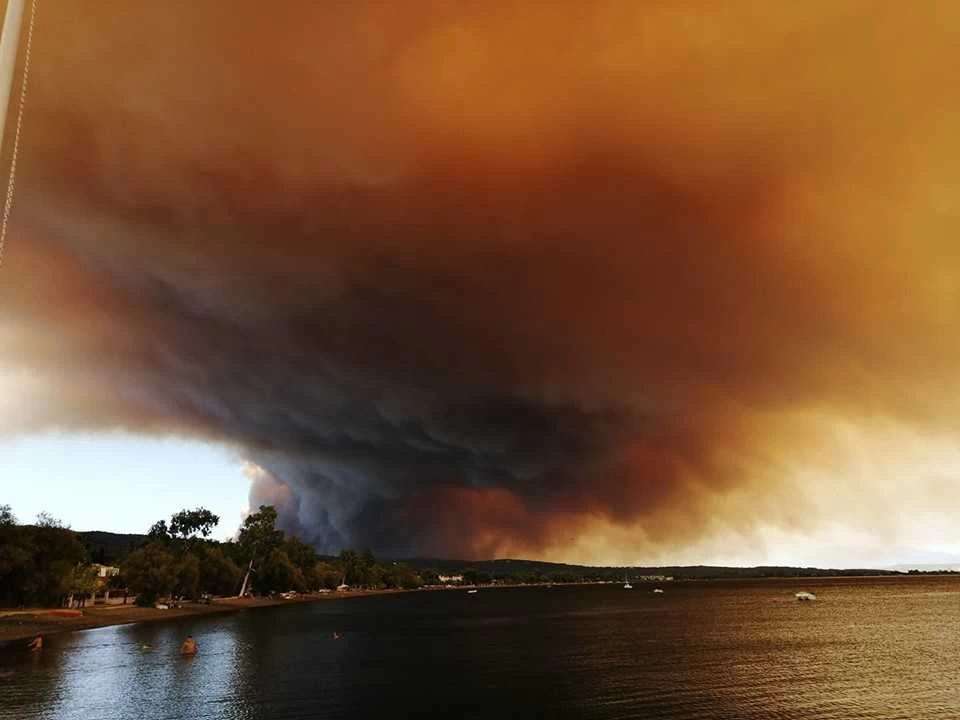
(40,564)
(179,560)
(46,563)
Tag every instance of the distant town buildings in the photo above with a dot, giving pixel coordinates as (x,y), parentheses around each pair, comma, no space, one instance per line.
(450,578)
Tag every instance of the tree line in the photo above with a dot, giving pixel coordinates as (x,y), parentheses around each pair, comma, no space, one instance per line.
(41,564)
(180,560)
(45,563)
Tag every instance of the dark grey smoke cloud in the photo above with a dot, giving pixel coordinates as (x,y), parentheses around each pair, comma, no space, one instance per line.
(481,280)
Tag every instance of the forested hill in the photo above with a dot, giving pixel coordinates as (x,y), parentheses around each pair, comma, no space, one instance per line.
(109,548)
(501,568)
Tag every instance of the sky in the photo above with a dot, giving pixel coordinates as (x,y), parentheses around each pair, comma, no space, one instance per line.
(121,483)
(599,283)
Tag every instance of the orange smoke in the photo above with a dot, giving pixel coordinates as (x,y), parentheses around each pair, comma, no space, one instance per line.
(482,279)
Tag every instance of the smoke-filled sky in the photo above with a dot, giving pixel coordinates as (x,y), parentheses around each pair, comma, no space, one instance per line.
(596,282)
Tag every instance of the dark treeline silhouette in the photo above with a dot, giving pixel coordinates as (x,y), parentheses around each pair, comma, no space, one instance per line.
(178,559)
(40,564)
(533,571)
(46,563)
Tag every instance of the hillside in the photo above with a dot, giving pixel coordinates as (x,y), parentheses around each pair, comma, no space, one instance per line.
(109,548)
(689,572)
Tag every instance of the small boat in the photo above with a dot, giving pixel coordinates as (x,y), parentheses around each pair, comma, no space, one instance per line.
(658,591)
(471,592)
(804,596)
(626,583)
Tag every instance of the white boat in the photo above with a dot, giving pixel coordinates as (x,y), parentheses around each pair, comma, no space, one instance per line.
(626,583)
(804,596)
(471,592)
(658,591)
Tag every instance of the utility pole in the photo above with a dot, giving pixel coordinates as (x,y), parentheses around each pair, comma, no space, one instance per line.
(9,45)
(246,579)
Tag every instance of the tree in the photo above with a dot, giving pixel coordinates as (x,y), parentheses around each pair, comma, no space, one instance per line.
(476,577)
(327,575)
(304,557)
(219,575)
(16,558)
(46,520)
(56,551)
(150,573)
(158,532)
(187,523)
(258,538)
(276,573)
(186,571)
(36,561)
(82,582)
(399,575)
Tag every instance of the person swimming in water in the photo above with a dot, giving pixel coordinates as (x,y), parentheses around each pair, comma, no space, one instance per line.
(189,646)
(36,644)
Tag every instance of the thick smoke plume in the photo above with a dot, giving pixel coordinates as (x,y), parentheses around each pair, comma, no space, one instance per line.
(470,278)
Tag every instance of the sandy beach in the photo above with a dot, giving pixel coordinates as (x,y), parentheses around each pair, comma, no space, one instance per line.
(22,624)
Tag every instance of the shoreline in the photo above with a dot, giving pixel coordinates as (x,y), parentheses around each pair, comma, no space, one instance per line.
(24,624)
(18,625)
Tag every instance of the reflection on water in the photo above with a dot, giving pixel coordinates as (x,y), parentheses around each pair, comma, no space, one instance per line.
(887,648)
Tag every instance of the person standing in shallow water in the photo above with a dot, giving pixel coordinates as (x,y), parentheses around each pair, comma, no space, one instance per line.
(189,646)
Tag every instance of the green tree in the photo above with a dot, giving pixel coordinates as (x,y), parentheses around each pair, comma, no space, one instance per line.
(219,575)
(150,573)
(188,523)
(327,575)
(83,581)
(400,576)
(56,551)
(304,557)
(277,574)
(16,558)
(354,571)
(158,532)
(186,571)
(476,577)
(257,539)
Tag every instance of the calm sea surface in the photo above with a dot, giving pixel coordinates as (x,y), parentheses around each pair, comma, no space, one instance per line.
(868,648)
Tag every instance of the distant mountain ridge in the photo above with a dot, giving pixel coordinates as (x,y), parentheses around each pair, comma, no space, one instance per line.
(109,548)
(689,572)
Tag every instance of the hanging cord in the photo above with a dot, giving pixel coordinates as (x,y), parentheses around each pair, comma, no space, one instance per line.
(11,184)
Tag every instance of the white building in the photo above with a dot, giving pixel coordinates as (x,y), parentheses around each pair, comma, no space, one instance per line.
(105,571)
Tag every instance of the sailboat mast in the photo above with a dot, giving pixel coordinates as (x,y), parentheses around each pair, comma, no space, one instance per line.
(9,44)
